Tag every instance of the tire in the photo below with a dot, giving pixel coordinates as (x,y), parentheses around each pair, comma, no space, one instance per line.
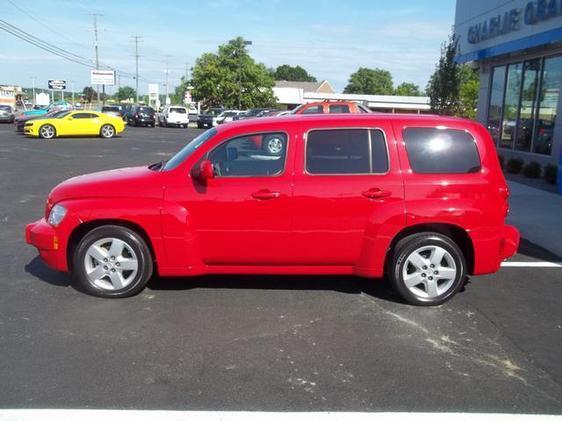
(108,278)
(47,131)
(427,269)
(107,131)
(273,145)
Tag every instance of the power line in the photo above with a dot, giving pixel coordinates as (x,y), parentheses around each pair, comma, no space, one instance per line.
(53,49)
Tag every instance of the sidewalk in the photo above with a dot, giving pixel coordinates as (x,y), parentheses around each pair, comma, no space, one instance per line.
(538,216)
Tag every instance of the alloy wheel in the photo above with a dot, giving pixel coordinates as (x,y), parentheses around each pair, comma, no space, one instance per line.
(47,132)
(429,271)
(110,264)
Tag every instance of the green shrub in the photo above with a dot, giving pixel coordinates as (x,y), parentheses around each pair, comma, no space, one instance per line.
(514,165)
(502,161)
(532,170)
(551,173)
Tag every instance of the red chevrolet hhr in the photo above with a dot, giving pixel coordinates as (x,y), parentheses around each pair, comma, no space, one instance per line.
(418,199)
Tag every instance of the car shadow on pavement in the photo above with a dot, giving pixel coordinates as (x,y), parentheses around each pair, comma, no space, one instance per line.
(526,248)
(376,288)
(40,270)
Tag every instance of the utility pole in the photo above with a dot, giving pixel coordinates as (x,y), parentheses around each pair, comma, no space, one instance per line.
(167,90)
(136,38)
(33,89)
(72,88)
(186,72)
(95,15)
(246,43)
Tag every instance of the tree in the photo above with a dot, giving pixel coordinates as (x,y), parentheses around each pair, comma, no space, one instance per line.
(125,93)
(370,81)
(89,94)
(453,88)
(407,89)
(443,88)
(468,92)
(231,78)
(292,73)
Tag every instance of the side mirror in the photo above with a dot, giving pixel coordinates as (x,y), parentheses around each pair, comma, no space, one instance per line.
(205,171)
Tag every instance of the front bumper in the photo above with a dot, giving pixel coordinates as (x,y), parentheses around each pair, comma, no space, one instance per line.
(50,245)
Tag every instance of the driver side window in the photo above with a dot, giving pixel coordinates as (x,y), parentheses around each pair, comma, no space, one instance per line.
(251,155)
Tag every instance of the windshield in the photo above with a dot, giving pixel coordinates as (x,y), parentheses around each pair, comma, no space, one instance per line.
(178,110)
(191,147)
(5,108)
(145,110)
(111,109)
(61,114)
(213,111)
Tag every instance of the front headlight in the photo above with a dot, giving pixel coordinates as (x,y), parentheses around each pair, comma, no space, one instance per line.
(56,215)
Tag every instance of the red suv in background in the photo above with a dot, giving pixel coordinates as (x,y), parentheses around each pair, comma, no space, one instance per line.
(420,199)
(331,107)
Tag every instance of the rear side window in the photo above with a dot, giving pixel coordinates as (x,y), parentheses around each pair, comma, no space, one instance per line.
(315,109)
(178,110)
(441,151)
(346,151)
(339,109)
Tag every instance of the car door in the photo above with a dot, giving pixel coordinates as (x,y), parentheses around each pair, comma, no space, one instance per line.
(79,124)
(347,192)
(242,216)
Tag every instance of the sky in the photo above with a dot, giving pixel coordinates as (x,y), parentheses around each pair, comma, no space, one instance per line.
(330,39)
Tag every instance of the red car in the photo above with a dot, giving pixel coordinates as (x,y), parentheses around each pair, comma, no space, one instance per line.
(420,199)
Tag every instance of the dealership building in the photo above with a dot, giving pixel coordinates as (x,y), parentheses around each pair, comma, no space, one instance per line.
(517,47)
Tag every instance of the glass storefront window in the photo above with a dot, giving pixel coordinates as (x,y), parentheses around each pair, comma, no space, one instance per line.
(496,102)
(548,103)
(511,105)
(528,108)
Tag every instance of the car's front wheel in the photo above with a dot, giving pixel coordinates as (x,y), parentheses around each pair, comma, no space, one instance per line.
(107,131)
(47,131)
(112,261)
(427,269)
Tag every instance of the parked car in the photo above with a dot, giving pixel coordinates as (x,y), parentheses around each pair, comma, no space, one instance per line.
(75,123)
(331,107)
(141,115)
(55,106)
(227,116)
(209,118)
(6,114)
(114,110)
(251,113)
(419,199)
(20,122)
(174,116)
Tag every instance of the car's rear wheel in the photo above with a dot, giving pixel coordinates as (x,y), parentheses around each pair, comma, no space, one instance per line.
(107,131)
(112,261)
(47,131)
(427,269)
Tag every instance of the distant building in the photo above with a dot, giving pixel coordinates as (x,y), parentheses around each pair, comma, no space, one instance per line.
(292,94)
(517,46)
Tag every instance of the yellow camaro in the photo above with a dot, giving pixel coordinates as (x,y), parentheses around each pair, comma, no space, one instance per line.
(75,123)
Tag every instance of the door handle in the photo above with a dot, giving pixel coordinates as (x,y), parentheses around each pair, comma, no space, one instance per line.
(376,193)
(266,195)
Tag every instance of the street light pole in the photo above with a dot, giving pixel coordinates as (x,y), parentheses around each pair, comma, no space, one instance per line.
(95,15)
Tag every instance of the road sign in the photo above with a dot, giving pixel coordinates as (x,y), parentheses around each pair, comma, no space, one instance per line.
(57,84)
(102,77)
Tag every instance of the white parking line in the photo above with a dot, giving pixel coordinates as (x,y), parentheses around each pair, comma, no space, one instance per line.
(532,264)
(125,415)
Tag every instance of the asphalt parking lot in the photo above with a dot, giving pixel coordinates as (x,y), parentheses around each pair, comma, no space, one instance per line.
(257,342)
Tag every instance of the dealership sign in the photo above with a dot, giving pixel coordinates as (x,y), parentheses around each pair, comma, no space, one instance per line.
(57,84)
(503,23)
(102,77)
